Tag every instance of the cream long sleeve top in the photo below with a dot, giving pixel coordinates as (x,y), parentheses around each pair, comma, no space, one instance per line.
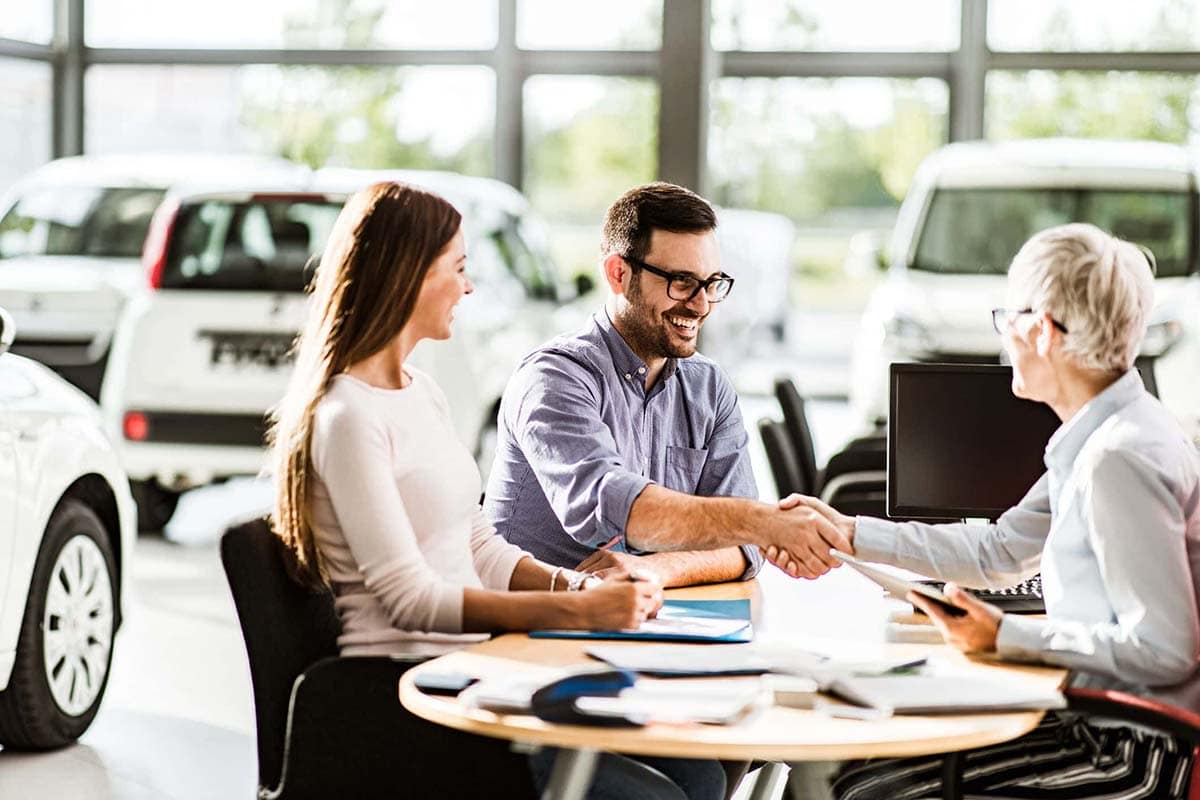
(395,506)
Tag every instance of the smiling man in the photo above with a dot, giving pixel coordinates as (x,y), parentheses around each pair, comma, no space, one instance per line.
(619,445)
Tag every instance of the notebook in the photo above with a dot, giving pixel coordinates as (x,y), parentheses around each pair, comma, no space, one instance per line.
(724,621)
(945,694)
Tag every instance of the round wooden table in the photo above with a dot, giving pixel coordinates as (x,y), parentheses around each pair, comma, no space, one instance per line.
(840,614)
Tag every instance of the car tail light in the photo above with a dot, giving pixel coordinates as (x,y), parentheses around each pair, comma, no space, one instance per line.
(136,426)
(158,242)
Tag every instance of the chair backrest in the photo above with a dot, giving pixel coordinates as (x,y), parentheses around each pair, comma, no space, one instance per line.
(286,627)
(785,470)
(796,421)
(855,481)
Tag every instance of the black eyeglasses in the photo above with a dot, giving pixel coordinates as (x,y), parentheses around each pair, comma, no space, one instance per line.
(682,286)
(1003,318)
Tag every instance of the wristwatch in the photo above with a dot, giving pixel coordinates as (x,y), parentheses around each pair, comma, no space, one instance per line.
(575,581)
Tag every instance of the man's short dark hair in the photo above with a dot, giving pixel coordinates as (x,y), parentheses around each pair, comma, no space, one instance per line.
(653,206)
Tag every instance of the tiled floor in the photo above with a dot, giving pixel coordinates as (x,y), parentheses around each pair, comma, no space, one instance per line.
(178,721)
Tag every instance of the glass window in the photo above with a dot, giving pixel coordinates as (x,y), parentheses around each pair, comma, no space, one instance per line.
(366,116)
(613,25)
(25,109)
(834,156)
(27,20)
(866,25)
(1108,105)
(401,24)
(978,231)
(79,221)
(1066,25)
(587,140)
(257,245)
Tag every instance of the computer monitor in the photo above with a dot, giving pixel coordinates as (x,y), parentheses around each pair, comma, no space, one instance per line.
(960,444)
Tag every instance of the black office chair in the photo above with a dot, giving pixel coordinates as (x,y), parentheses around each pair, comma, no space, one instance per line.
(795,419)
(855,481)
(1108,705)
(331,726)
(785,469)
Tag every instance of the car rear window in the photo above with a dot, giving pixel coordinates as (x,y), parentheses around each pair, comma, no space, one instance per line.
(978,231)
(260,244)
(79,221)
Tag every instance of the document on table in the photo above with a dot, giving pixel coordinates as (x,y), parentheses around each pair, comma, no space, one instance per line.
(716,621)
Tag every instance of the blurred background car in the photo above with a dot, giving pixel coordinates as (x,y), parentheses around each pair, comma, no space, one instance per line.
(756,249)
(201,356)
(972,205)
(71,236)
(66,536)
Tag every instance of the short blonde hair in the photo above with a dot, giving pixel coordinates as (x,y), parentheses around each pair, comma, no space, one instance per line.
(1099,287)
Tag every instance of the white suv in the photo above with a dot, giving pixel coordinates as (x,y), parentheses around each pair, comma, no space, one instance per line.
(71,236)
(66,540)
(970,208)
(200,357)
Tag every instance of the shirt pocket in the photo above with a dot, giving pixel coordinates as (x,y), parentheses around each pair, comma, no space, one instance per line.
(684,465)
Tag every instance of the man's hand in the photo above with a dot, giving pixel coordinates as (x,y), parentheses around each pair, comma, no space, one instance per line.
(798,537)
(606,564)
(974,633)
(806,563)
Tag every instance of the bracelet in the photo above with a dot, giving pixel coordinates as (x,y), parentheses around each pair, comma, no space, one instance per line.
(554,577)
(575,581)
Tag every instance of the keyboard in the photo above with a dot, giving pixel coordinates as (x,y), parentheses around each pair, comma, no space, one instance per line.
(1023,598)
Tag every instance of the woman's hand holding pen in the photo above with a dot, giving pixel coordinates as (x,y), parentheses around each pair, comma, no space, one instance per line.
(622,602)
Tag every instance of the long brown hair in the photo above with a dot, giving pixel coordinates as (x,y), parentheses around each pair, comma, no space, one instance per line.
(363,293)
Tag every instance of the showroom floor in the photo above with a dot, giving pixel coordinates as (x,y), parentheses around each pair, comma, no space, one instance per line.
(178,720)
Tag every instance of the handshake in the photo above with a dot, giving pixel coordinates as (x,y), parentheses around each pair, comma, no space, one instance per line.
(801,532)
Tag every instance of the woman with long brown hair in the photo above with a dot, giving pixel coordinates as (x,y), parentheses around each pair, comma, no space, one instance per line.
(377,498)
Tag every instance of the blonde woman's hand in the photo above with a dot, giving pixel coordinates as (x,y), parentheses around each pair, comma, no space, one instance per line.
(975,632)
(621,603)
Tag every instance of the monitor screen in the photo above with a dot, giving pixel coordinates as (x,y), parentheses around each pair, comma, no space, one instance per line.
(960,444)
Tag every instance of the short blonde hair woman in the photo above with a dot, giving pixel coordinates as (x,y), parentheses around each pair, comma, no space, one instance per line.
(377,497)
(1113,525)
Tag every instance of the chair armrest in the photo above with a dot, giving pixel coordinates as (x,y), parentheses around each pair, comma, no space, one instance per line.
(349,736)
(1178,722)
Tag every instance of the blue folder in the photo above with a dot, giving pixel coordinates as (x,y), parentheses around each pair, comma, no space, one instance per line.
(707,609)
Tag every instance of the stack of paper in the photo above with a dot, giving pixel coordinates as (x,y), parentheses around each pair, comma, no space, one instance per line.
(712,702)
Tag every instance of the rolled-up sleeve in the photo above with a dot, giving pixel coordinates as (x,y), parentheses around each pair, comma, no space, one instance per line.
(727,471)
(555,416)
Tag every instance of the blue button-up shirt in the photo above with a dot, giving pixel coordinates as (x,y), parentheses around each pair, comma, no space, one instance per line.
(1114,525)
(580,437)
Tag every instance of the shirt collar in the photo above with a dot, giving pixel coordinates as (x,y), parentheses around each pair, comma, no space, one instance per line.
(1069,439)
(625,361)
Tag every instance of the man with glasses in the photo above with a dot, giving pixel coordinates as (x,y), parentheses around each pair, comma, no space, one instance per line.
(622,448)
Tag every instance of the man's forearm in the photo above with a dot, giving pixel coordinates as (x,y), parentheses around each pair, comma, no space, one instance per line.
(692,567)
(664,520)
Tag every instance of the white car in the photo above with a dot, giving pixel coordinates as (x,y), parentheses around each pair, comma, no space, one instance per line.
(66,539)
(970,208)
(756,249)
(71,236)
(201,356)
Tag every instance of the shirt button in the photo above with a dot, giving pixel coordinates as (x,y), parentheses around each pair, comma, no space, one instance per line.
(628,377)
(641,370)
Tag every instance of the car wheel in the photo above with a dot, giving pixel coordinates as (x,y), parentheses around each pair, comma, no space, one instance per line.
(65,647)
(155,505)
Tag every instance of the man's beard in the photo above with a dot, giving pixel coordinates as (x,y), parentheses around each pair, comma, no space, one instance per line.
(646,332)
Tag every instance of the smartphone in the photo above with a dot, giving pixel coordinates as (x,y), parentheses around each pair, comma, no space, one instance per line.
(444,683)
(900,587)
